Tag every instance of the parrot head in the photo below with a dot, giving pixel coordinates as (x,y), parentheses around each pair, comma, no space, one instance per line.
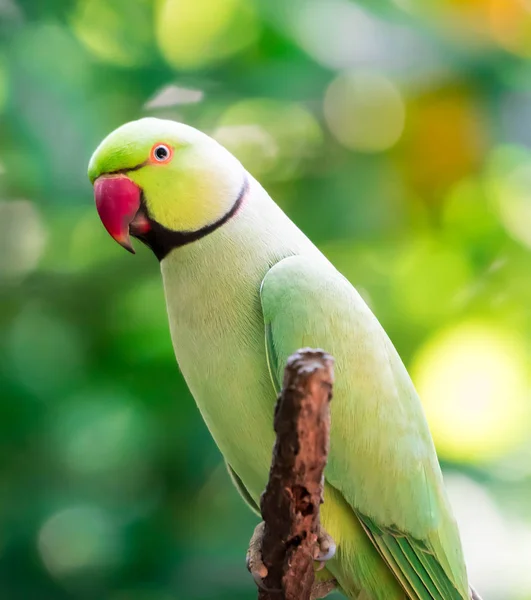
(164,183)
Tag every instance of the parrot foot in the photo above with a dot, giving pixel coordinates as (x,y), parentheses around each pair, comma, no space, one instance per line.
(325,550)
(255,564)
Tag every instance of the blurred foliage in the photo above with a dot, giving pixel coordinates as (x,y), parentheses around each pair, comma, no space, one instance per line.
(396,133)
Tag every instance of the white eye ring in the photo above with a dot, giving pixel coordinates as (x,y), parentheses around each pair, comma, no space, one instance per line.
(161,153)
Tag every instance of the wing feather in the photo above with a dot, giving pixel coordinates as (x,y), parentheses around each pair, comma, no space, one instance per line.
(382,459)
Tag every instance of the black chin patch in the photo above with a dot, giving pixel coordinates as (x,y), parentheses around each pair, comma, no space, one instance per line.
(162,240)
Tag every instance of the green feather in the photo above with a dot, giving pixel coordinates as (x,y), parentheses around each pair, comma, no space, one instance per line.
(272,359)
(258,276)
(244,493)
(389,559)
(383,409)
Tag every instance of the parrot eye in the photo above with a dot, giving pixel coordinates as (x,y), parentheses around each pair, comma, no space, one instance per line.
(161,153)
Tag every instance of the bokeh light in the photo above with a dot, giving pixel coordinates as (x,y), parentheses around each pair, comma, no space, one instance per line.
(271,138)
(355,36)
(37,342)
(173,95)
(511,192)
(461,374)
(104,434)
(365,111)
(78,539)
(510,22)
(22,238)
(116,31)
(196,34)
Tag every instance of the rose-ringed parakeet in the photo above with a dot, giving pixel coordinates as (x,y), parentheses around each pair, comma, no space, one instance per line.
(244,289)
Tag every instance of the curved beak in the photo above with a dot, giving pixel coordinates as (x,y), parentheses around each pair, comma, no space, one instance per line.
(117,201)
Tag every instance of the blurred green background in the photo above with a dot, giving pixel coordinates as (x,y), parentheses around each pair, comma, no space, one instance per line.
(396,133)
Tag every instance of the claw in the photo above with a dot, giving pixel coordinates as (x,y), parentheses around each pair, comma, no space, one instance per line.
(259,577)
(325,548)
(258,570)
(254,561)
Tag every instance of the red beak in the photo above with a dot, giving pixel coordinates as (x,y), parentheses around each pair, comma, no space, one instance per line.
(117,201)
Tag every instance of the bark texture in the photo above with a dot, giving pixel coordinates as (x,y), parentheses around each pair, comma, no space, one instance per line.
(291,501)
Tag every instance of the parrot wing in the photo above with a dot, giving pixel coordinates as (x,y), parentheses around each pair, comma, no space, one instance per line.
(382,459)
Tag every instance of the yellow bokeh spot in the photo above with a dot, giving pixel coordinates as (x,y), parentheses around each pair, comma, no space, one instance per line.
(510,24)
(364,111)
(117,32)
(474,385)
(199,33)
(510,183)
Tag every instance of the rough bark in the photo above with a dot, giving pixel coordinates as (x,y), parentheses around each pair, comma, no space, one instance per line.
(291,501)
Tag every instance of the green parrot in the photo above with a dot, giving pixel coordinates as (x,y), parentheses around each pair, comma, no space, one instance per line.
(244,289)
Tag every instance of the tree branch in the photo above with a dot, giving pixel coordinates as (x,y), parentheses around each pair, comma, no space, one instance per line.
(290,503)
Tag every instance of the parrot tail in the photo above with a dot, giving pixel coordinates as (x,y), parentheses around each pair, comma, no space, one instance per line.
(474,595)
